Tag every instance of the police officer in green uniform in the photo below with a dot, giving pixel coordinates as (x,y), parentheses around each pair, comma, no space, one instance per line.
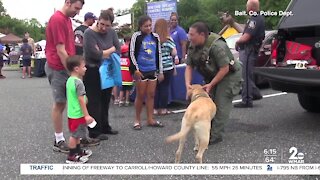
(212,58)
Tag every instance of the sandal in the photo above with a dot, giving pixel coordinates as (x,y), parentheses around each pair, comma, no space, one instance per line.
(156,124)
(137,126)
(155,112)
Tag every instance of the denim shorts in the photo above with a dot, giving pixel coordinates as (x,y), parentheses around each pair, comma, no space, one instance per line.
(26,62)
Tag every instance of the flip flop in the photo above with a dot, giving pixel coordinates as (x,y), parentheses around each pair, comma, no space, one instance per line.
(155,112)
(167,112)
(156,124)
(137,127)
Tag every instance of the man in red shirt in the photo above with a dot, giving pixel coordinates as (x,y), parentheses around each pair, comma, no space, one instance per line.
(60,45)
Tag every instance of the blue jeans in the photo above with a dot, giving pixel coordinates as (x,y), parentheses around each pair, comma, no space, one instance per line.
(162,91)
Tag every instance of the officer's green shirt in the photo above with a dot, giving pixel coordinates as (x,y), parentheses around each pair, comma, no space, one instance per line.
(75,88)
(219,56)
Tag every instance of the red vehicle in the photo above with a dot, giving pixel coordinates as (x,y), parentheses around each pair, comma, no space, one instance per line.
(296,54)
(264,56)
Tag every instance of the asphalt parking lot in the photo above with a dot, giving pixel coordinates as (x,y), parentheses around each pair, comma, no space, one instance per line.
(276,122)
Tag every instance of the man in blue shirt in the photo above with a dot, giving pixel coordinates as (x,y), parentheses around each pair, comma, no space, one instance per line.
(179,36)
(26,52)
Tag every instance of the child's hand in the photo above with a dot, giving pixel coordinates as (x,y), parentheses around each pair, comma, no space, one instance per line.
(89,119)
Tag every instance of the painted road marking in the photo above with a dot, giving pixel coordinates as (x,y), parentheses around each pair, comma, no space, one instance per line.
(239,100)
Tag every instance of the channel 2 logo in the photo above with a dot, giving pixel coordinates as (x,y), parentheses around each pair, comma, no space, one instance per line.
(296,157)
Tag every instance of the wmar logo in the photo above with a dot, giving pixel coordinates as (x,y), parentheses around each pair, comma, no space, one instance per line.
(296,157)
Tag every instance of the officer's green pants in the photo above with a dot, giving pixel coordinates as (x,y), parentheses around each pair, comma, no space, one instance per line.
(222,95)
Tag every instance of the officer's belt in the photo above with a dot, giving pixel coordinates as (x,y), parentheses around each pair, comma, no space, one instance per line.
(199,95)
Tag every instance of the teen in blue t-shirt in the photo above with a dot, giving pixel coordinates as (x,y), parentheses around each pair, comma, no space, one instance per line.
(146,65)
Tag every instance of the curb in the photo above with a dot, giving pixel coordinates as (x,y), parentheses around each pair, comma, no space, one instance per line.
(11,68)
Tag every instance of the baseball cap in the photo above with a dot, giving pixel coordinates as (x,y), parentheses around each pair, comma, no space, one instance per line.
(89,15)
(124,48)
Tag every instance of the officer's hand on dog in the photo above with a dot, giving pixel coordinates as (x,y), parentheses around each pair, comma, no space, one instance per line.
(207,87)
(188,86)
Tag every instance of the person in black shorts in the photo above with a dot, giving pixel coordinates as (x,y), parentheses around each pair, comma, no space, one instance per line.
(146,63)
(26,52)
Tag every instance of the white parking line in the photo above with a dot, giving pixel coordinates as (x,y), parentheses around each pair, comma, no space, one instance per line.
(239,100)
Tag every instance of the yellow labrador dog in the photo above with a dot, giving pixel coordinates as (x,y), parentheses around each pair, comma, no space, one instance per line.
(198,117)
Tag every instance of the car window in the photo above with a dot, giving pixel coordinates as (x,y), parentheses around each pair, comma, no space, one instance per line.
(269,39)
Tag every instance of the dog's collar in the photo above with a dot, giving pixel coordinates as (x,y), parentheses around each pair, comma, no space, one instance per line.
(199,95)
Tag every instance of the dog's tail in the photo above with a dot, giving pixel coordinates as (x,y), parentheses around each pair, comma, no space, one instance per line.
(183,132)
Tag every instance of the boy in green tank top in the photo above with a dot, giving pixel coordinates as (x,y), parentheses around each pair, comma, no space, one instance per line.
(78,116)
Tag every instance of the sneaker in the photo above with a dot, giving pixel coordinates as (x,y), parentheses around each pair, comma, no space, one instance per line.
(76,159)
(127,103)
(61,146)
(89,142)
(85,153)
(121,103)
(102,137)
(112,132)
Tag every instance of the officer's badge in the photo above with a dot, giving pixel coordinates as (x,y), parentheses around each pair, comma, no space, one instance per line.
(252,25)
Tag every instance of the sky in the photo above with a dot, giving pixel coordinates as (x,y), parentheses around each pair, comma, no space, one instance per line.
(43,9)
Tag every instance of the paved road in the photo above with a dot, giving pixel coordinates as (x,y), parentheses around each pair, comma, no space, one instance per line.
(27,135)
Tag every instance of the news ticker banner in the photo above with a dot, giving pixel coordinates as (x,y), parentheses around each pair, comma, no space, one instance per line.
(170,169)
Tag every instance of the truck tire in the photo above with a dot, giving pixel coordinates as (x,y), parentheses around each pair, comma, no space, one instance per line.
(309,103)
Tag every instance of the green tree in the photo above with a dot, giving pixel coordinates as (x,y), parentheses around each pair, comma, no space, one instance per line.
(191,11)
(207,11)
(19,27)
(272,21)
(2,9)
(137,10)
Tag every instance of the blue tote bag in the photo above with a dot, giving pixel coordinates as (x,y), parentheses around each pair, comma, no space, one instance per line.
(110,72)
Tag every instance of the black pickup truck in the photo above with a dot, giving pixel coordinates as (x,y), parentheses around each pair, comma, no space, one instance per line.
(297,75)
